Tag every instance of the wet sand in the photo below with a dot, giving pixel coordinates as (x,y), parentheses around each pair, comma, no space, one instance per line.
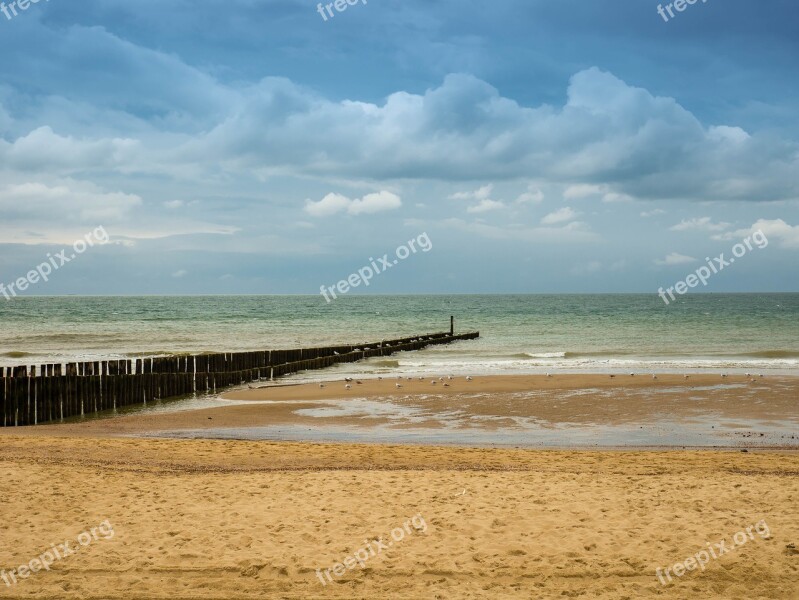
(567,411)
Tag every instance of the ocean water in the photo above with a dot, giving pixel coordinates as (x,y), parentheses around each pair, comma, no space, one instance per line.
(519,333)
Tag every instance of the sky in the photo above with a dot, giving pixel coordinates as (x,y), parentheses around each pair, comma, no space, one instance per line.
(267,147)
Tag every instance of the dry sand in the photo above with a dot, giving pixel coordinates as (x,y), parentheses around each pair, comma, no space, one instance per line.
(202,519)
(215,519)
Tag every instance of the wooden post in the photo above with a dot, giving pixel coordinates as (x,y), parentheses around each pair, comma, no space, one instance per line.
(452,325)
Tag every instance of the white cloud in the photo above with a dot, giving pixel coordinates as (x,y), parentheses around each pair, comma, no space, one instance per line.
(653,213)
(369,204)
(617,197)
(559,216)
(485,206)
(583,190)
(700,224)
(68,200)
(608,135)
(179,274)
(533,195)
(572,233)
(481,193)
(775,229)
(675,259)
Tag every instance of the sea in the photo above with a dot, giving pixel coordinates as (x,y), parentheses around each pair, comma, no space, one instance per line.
(518,333)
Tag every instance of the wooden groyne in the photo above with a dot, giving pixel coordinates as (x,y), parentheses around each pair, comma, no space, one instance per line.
(54,392)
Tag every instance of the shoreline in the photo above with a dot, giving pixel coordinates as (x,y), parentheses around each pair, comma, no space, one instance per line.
(562,411)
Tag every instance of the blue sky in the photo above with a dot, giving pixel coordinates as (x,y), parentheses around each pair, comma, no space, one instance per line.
(249,146)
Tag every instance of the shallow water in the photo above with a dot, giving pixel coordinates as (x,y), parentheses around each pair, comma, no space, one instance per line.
(519,333)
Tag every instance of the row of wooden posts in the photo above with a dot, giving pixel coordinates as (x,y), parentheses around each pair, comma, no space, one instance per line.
(56,392)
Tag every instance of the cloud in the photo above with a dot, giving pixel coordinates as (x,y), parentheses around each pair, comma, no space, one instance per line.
(572,233)
(653,213)
(482,193)
(775,229)
(533,195)
(485,206)
(608,135)
(583,190)
(180,273)
(675,259)
(700,224)
(559,216)
(607,139)
(66,200)
(369,204)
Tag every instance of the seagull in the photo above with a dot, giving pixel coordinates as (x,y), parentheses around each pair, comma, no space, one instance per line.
(321,385)
(548,375)
(433,382)
(632,374)
(398,385)
(348,379)
(335,353)
(446,385)
(724,376)
(654,376)
(468,378)
(348,387)
(441,379)
(380,378)
(359,382)
(686,376)
(748,374)
(760,375)
(612,376)
(421,379)
(450,378)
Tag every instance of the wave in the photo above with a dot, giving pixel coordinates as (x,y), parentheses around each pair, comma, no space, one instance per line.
(16,354)
(770,354)
(386,363)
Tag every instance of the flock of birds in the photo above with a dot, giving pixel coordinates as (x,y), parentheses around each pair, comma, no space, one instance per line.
(444,381)
(723,376)
(348,381)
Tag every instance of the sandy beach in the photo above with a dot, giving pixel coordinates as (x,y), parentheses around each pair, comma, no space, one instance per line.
(203,518)
(562,411)
(235,519)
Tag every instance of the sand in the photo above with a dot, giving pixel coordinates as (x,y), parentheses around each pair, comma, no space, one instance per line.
(535,411)
(215,519)
(202,519)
